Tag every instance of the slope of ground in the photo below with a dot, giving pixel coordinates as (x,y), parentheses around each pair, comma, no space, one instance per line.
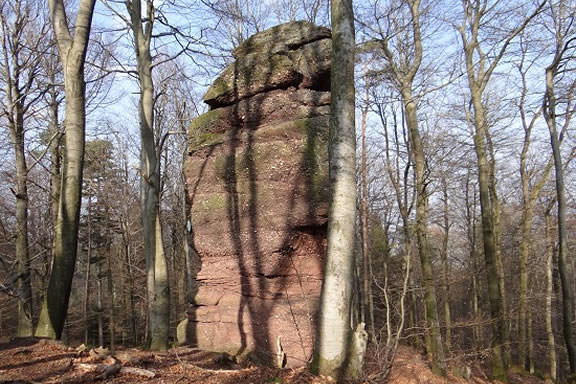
(32,361)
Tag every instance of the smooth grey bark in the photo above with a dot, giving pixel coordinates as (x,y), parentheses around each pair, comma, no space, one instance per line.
(72,51)
(87,273)
(445,264)
(25,325)
(550,114)
(334,317)
(367,296)
(550,292)
(435,346)
(156,266)
(471,220)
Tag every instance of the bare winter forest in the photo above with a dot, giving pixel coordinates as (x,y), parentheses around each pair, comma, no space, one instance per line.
(287,191)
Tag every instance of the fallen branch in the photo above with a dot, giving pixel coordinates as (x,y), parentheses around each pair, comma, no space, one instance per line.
(138,371)
(108,370)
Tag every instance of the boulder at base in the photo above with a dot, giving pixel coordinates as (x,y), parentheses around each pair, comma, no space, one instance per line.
(257,182)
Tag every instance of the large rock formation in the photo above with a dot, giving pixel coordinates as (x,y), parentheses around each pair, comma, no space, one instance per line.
(257,179)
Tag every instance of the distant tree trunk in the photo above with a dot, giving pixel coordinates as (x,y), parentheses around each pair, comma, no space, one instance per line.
(87,274)
(567,293)
(25,326)
(549,294)
(435,347)
(496,215)
(111,300)
(530,344)
(488,236)
(334,317)
(366,260)
(531,188)
(445,264)
(156,266)
(72,53)
(130,291)
(529,197)
(471,205)
(99,303)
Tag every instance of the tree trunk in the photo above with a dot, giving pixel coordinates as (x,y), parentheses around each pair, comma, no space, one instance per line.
(567,293)
(334,317)
(549,294)
(445,265)
(366,261)
(99,303)
(499,367)
(157,283)
(111,301)
(87,274)
(496,214)
(471,229)
(25,326)
(435,347)
(72,54)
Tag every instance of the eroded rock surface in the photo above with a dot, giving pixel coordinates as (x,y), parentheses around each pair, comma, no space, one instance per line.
(257,180)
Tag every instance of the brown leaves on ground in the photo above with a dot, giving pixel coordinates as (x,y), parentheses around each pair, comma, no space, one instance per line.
(33,361)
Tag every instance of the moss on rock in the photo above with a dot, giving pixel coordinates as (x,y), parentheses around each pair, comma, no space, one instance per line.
(250,75)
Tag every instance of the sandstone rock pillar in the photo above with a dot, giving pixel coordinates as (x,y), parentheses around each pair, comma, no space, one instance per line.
(257,180)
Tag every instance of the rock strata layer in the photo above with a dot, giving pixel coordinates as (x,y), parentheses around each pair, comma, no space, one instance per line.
(257,181)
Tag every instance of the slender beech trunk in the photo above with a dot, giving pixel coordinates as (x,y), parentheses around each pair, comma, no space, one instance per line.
(471,229)
(445,265)
(189,254)
(530,344)
(130,291)
(99,303)
(334,317)
(523,305)
(156,266)
(496,215)
(72,53)
(529,196)
(111,300)
(490,259)
(435,347)
(87,274)
(567,293)
(549,294)
(25,326)
(366,260)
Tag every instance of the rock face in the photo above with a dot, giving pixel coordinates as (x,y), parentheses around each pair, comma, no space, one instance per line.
(257,180)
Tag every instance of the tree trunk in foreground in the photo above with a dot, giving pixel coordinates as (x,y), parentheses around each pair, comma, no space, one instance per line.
(72,53)
(334,318)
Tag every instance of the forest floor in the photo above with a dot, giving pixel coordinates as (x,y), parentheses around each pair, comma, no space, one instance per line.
(33,361)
